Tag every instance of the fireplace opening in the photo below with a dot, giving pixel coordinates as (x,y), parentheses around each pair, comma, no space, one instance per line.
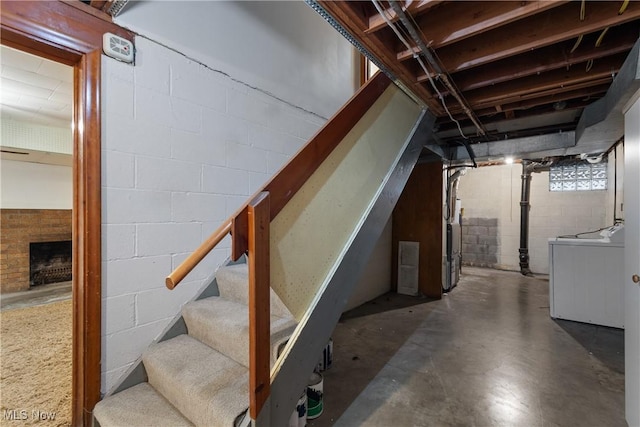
(49,262)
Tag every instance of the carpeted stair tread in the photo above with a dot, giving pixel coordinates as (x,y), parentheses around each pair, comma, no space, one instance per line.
(224,326)
(140,405)
(206,386)
(233,284)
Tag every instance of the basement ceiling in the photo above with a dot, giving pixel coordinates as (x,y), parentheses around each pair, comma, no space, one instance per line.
(502,69)
(495,70)
(34,89)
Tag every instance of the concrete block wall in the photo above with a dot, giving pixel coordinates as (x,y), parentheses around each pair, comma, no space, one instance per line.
(494,192)
(480,243)
(183,148)
(560,213)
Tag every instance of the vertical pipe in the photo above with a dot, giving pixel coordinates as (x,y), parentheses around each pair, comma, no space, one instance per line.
(524,218)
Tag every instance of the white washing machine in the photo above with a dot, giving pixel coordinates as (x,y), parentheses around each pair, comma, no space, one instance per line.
(586,278)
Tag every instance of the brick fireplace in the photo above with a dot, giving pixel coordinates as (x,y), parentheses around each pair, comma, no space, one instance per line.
(19,229)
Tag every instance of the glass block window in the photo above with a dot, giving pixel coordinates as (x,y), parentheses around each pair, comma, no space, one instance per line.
(578,176)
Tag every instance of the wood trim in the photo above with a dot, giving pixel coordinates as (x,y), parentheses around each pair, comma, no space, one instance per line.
(87,236)
(259,303)
(62,33)
(239,233)
(61,29)
(363,70)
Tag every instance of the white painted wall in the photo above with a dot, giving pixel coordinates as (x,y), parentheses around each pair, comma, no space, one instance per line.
(184,146)
(35,137)
(282,47)
(494,192)
(25,185)
(376,279)
(615,193)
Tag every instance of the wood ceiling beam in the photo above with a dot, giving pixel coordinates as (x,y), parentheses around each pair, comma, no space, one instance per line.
(107,5)
(376,22)
(98,13)
(542,60)
(553,26)
(576,97)
(505,102)
(588,92)
(551,80)
(344,13)
(98,4)
(463,19)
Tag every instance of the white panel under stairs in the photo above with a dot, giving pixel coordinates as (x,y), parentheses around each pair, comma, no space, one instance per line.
(201,378)
(408,267)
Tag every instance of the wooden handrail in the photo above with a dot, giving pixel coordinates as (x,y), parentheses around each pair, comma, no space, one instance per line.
(290,178)
(259,296)
(192,260)
(249,228)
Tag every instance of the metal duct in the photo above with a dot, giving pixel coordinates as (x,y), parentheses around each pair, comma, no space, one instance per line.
(116,7)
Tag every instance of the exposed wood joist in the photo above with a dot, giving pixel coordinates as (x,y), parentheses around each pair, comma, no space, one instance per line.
(98,4)
(107,5)
(463,19)
(530,108)
(585,96)
(552,26)
(376,22)
(90,9)
(577,97)
(551,80)
(549,92)
(543,60)
(504,59)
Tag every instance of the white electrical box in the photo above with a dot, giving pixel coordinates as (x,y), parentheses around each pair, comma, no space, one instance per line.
(117,47)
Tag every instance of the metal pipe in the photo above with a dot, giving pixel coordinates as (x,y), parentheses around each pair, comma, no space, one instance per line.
(528,167)
(454,180)
(523,252)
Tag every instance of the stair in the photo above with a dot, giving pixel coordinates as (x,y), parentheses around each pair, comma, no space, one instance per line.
(201,378)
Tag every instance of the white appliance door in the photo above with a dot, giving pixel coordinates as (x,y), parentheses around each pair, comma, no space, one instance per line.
(632,263)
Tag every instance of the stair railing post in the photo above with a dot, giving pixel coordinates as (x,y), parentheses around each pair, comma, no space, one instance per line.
(258,216)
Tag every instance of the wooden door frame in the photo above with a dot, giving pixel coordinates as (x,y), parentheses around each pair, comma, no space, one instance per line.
(64,33)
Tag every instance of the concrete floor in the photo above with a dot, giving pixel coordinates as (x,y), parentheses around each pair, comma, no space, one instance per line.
(487,354)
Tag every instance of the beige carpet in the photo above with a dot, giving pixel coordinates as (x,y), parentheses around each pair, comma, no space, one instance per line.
(35,365)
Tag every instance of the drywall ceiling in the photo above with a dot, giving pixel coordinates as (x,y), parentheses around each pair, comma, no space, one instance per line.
(34,89)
